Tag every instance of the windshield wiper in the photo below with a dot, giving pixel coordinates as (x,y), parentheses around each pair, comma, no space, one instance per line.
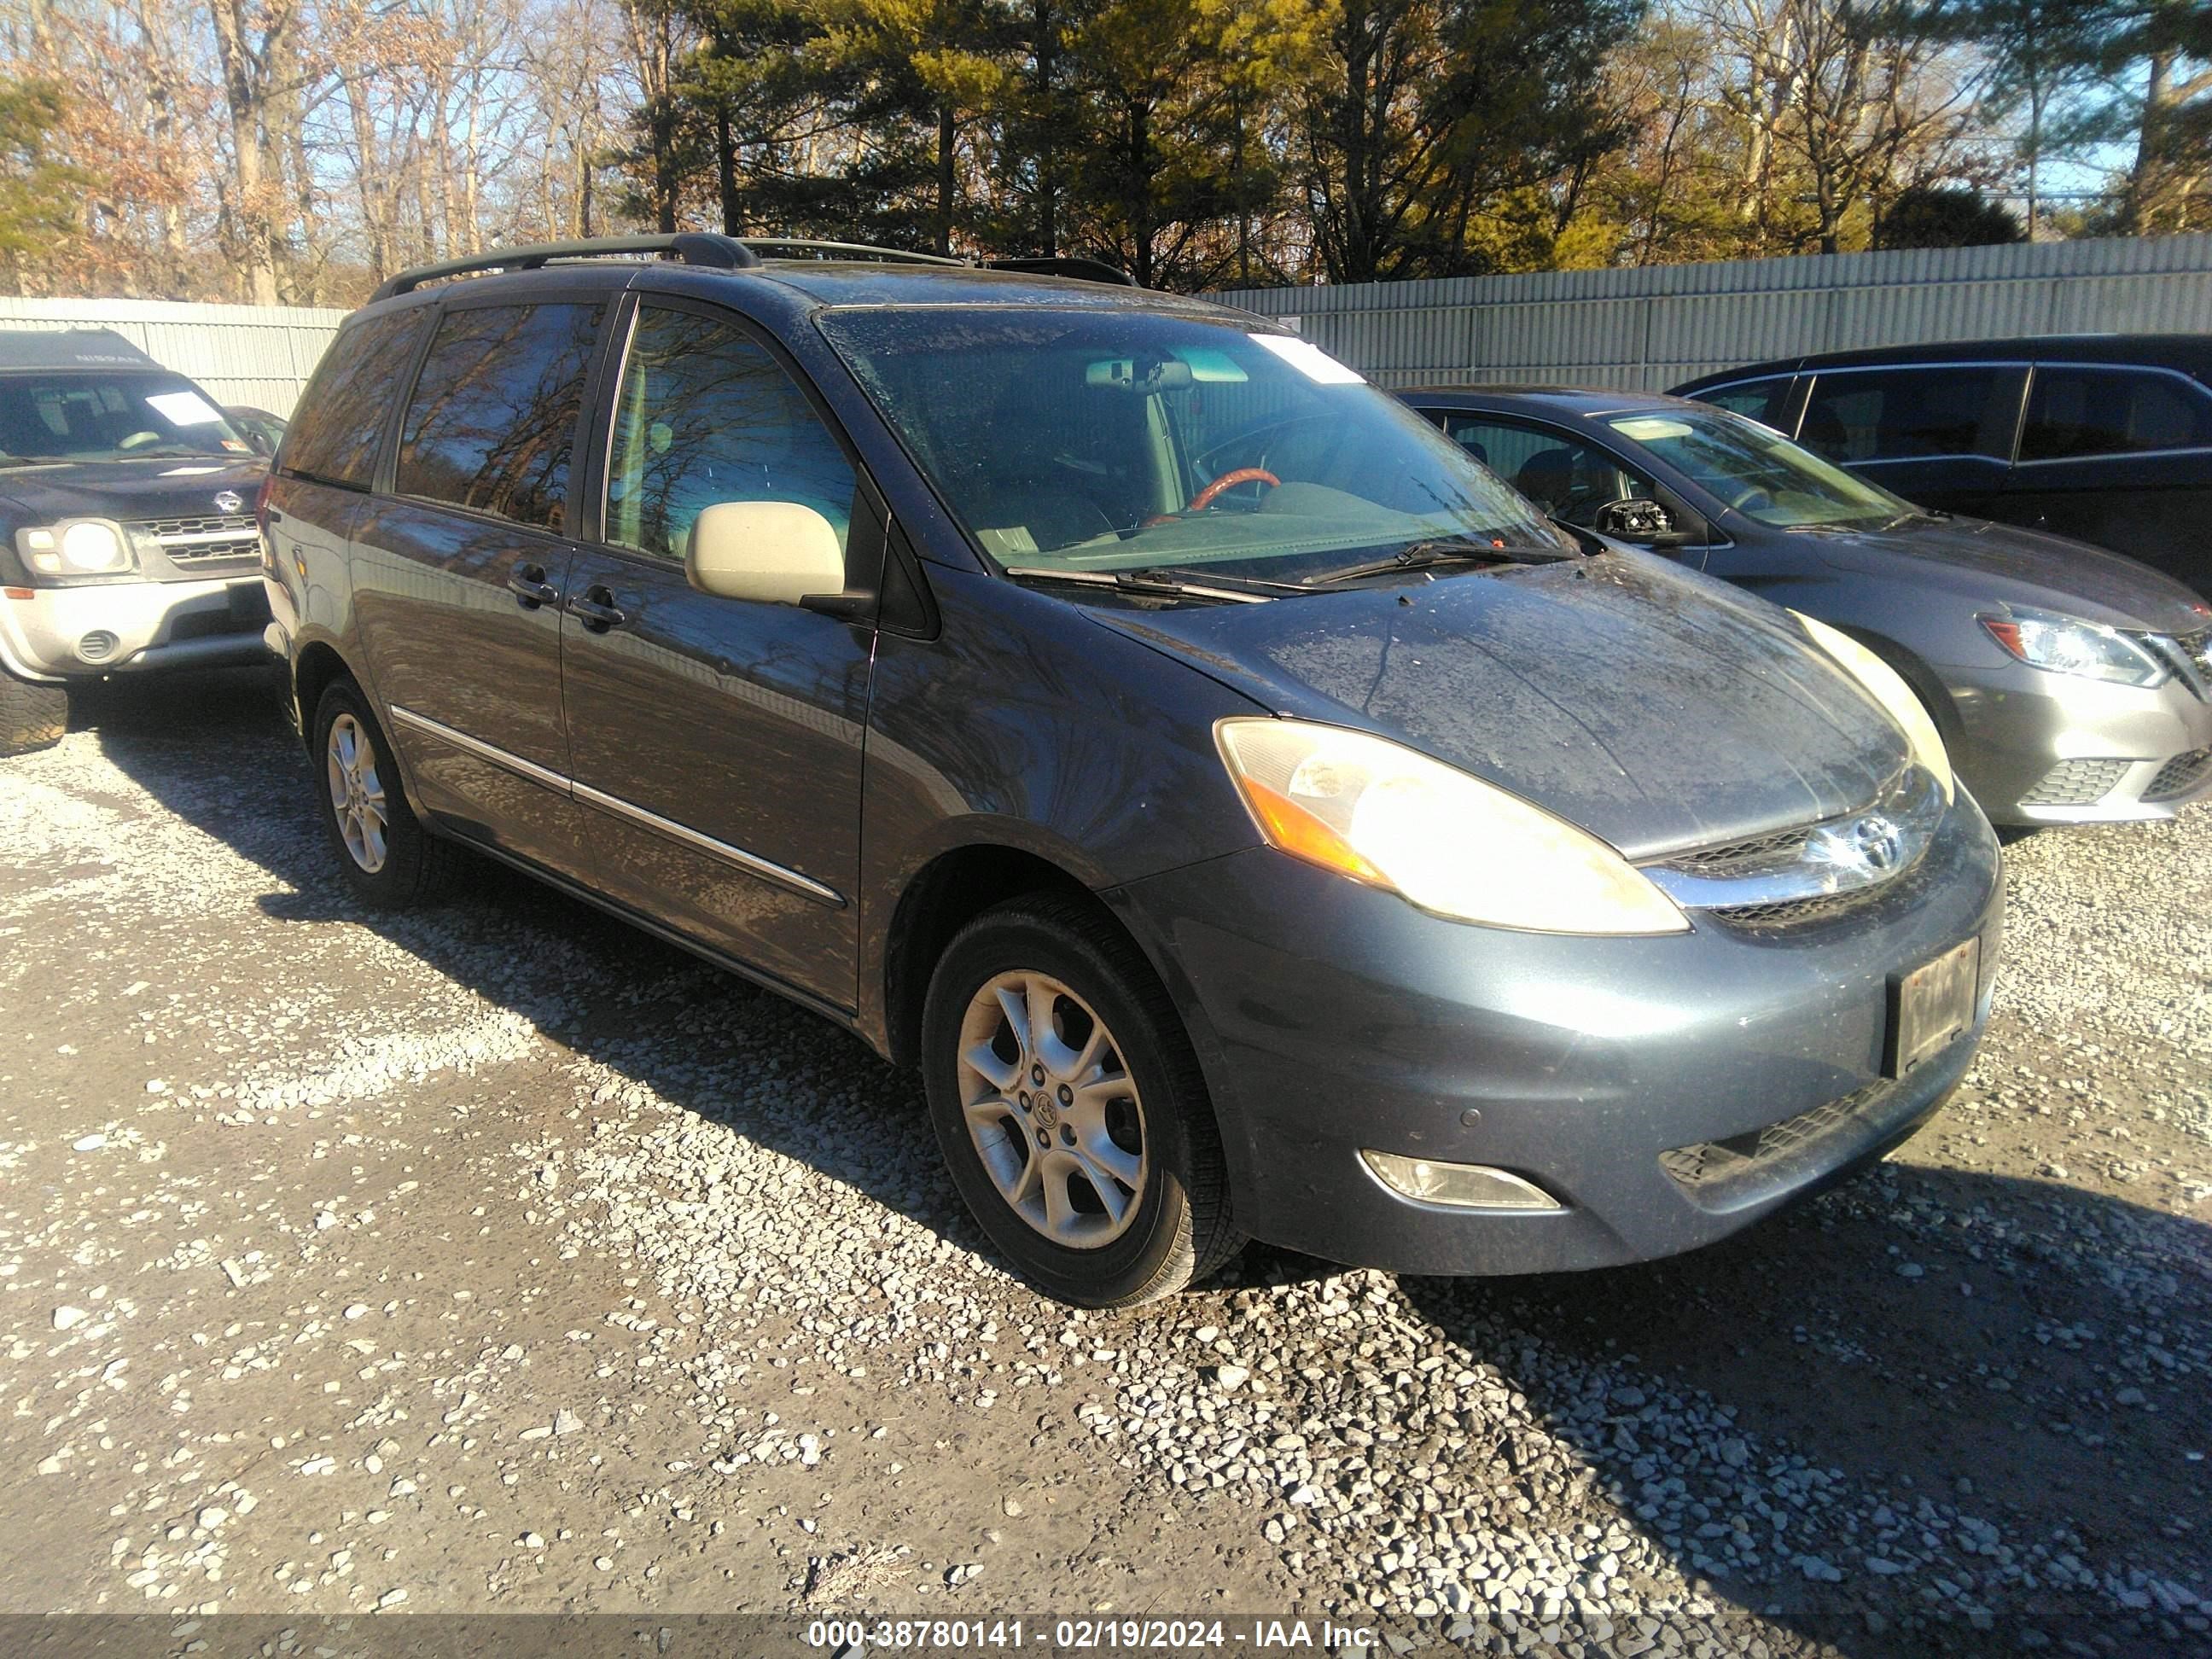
(1443,550)
(1147,581)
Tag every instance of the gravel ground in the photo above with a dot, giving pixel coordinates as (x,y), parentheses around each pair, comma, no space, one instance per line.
(501,1259)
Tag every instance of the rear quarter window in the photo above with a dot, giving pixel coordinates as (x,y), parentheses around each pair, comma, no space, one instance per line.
(2080,411)
(1758,400)
(334,433)
(492,422)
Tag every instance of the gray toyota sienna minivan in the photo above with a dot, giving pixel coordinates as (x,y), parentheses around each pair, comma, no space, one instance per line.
(1250,816)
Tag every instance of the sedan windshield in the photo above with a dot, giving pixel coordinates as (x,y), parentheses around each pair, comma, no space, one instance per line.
(69,416)
(1104,441)
(1758,471)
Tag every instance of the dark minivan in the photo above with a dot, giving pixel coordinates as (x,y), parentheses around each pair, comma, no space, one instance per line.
(1251,816)
(2105,437)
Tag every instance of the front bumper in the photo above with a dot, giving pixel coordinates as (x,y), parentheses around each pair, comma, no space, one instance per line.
(2044,748)
(107,628)
(1331,1017)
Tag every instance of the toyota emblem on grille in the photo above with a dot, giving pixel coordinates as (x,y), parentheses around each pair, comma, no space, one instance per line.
(1878,841)
(229,500)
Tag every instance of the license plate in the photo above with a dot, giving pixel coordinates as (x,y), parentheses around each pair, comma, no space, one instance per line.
(1932,1004)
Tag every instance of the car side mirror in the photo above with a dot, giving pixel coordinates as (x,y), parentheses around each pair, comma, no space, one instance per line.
(768,552)
(1644,522)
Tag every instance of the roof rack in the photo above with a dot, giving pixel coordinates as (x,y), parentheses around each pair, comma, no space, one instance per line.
(688,248)
(1089,271)
(849,250)
(714,252)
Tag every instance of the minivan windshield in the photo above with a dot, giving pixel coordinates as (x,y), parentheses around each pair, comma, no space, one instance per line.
(69,415)
(1117,441)
(1758,471)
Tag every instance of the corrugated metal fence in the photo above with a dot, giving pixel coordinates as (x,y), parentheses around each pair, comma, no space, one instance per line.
(1653,328)
(257,354)
(1647,329)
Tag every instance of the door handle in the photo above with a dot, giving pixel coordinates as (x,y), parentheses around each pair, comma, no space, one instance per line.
(528,584)
(596,608)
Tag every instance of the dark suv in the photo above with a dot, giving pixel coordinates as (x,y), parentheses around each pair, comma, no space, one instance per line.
(127,540)
(1250,816)
(2107,437)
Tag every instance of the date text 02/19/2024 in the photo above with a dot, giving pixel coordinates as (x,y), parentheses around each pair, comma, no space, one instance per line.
(841,1636)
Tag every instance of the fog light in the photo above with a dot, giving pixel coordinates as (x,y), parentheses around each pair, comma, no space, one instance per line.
(97,645)
(1461,1186)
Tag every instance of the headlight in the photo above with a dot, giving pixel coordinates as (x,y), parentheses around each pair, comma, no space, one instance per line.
(1383,814)
(1888,688)
(2065,645)
(79,547)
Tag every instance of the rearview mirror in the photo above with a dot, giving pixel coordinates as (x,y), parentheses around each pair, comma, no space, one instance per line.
(769,552)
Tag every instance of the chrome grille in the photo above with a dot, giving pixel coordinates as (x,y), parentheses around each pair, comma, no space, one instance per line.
(2181,775)
(1739,856)
(2075,783)
(1710,1162)
(205,541)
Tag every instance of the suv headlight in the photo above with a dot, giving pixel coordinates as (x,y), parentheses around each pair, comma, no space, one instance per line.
(1888,687)
(76,547)
(2067,645)
(1392,818)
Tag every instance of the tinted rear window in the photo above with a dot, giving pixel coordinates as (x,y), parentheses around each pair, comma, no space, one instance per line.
(1897,414)
(2111,411)
(334,433)
(493,419)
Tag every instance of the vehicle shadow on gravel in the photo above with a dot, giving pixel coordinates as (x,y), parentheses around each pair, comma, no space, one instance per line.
(216,751)
(1969,1348)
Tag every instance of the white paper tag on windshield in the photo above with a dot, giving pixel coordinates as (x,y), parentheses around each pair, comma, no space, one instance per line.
(1309,360)
(184,408)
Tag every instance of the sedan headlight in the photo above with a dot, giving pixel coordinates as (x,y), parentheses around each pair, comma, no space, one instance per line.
(1888,687)
(77,547)
(2067,645)
(1385,815)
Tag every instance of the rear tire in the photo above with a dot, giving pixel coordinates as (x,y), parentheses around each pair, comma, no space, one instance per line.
(32,716)
(387,855)
(1070,1106)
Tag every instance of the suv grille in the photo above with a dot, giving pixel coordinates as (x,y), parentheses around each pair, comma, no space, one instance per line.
(1790,913)
(2181,775)
(1709,1163)
(2075,783)
(205,541)
(1738,857)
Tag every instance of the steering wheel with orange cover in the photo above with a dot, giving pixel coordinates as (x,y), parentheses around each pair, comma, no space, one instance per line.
(1230,480)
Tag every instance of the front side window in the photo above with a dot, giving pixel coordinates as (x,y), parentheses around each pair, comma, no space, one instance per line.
(493,419)
(1755,400)
(1759,472)
(705,415)
(1569,477)
(1900,414)
(124,414)
(2076,411)
(1104,440)
(341,420)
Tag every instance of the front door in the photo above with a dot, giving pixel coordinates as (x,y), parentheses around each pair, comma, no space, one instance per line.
(458,571)
(717,743)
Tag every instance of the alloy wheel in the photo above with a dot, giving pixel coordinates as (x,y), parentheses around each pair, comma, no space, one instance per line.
(1054,1115)
(357,793)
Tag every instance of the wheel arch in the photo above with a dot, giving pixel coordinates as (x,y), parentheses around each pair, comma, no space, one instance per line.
(942,896)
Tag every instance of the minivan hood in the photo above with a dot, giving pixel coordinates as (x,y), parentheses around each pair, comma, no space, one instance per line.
(166,488)
(1656,708)
(1987,560)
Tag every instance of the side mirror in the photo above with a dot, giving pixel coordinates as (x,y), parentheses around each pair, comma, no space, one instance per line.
(1644,522)
(769,552)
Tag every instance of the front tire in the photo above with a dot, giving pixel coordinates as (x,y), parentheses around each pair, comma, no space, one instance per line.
(388,859)
(1069,1107)
(32,716)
